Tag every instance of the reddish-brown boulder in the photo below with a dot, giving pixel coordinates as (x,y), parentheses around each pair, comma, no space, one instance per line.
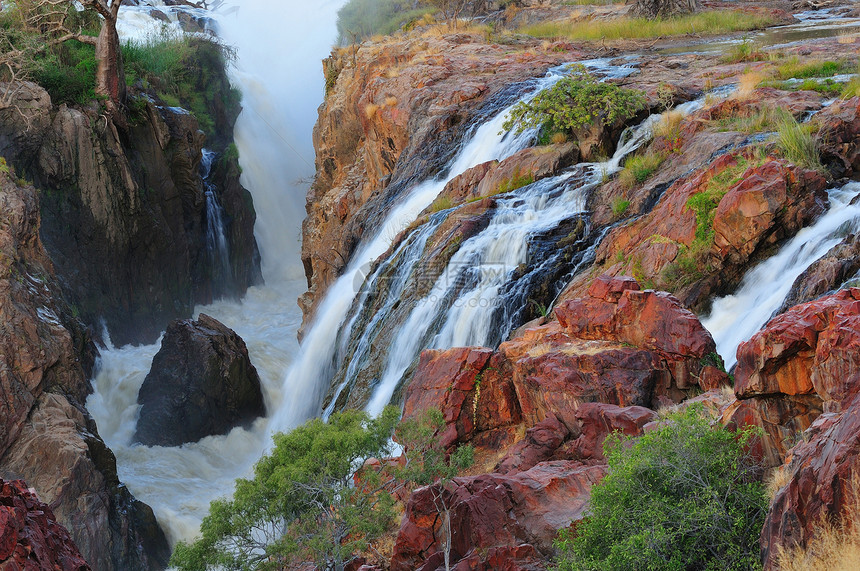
(30,537)
(457,383)
(507,518)
(823,471)
(840,136)
(813,348)
(599,420)
(748,211)
(803,362)
(828,273)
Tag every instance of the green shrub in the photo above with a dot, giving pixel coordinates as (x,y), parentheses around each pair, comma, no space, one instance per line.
(743,52)
(576,101)
(684,496)
(796,69)
(639,168)
(302,504)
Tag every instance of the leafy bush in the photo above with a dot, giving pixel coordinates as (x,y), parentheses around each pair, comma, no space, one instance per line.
(575,101)
(184,72)
(683,496)
(301,504)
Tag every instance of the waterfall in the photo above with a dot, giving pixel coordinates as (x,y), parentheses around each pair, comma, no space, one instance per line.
(477,299)
(308,379)
(279,46)
(737,317)
(216,240)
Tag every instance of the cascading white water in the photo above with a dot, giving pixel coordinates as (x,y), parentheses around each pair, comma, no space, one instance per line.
(280,44)
(216,240)
(487,261)
(307,380)
(737,317)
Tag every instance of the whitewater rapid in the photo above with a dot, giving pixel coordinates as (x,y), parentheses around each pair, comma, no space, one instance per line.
(737,317)
(279,46)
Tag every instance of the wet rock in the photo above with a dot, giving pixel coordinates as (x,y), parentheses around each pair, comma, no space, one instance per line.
(24,122)
(524,167)
(497,521)
(46,436)
(201,383)
(30,537)
(839,265)
(394,114)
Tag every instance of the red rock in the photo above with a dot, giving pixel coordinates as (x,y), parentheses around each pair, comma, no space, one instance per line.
(447,380)
(750,209)
(803,362)
(822,470)
(839,136)
(599,420)
(30,537)
(810,349)
(609,288)
(495,511)
(540,443)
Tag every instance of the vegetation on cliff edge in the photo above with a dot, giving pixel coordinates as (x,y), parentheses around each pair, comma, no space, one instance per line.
(686,495)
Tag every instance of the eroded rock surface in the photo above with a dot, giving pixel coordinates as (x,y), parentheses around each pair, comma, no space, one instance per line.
(46,436)
(30,537)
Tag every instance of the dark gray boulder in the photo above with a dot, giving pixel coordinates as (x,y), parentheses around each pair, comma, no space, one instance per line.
(201,383)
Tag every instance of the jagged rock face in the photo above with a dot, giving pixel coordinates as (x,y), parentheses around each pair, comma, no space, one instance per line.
(46,436)
(800,364)
(124,212)
(823,469)
(394,113)
(839,136)
(201,383)
(505,520)
(30,537)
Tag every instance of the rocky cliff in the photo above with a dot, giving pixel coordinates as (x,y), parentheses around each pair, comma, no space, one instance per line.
(46,435)
(536,405)
(124,208)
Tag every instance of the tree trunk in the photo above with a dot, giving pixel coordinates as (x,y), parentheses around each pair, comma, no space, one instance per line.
(110,76)
(663,8)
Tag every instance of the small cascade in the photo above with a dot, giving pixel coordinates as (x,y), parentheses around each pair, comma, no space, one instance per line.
(482,295)
(216,238)
(736,318)
(321,354)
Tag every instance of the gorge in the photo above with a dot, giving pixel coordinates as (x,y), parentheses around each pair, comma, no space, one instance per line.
(535,289)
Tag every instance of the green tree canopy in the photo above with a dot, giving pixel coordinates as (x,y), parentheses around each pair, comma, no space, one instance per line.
(575,101)
(685,496)
(302,504)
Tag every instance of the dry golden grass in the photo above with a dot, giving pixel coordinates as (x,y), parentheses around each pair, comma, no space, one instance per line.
(835,547)
(846,38)
(370,110)
(390,101)
(748,84)
(669,125)
(558,138)
(776,481)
